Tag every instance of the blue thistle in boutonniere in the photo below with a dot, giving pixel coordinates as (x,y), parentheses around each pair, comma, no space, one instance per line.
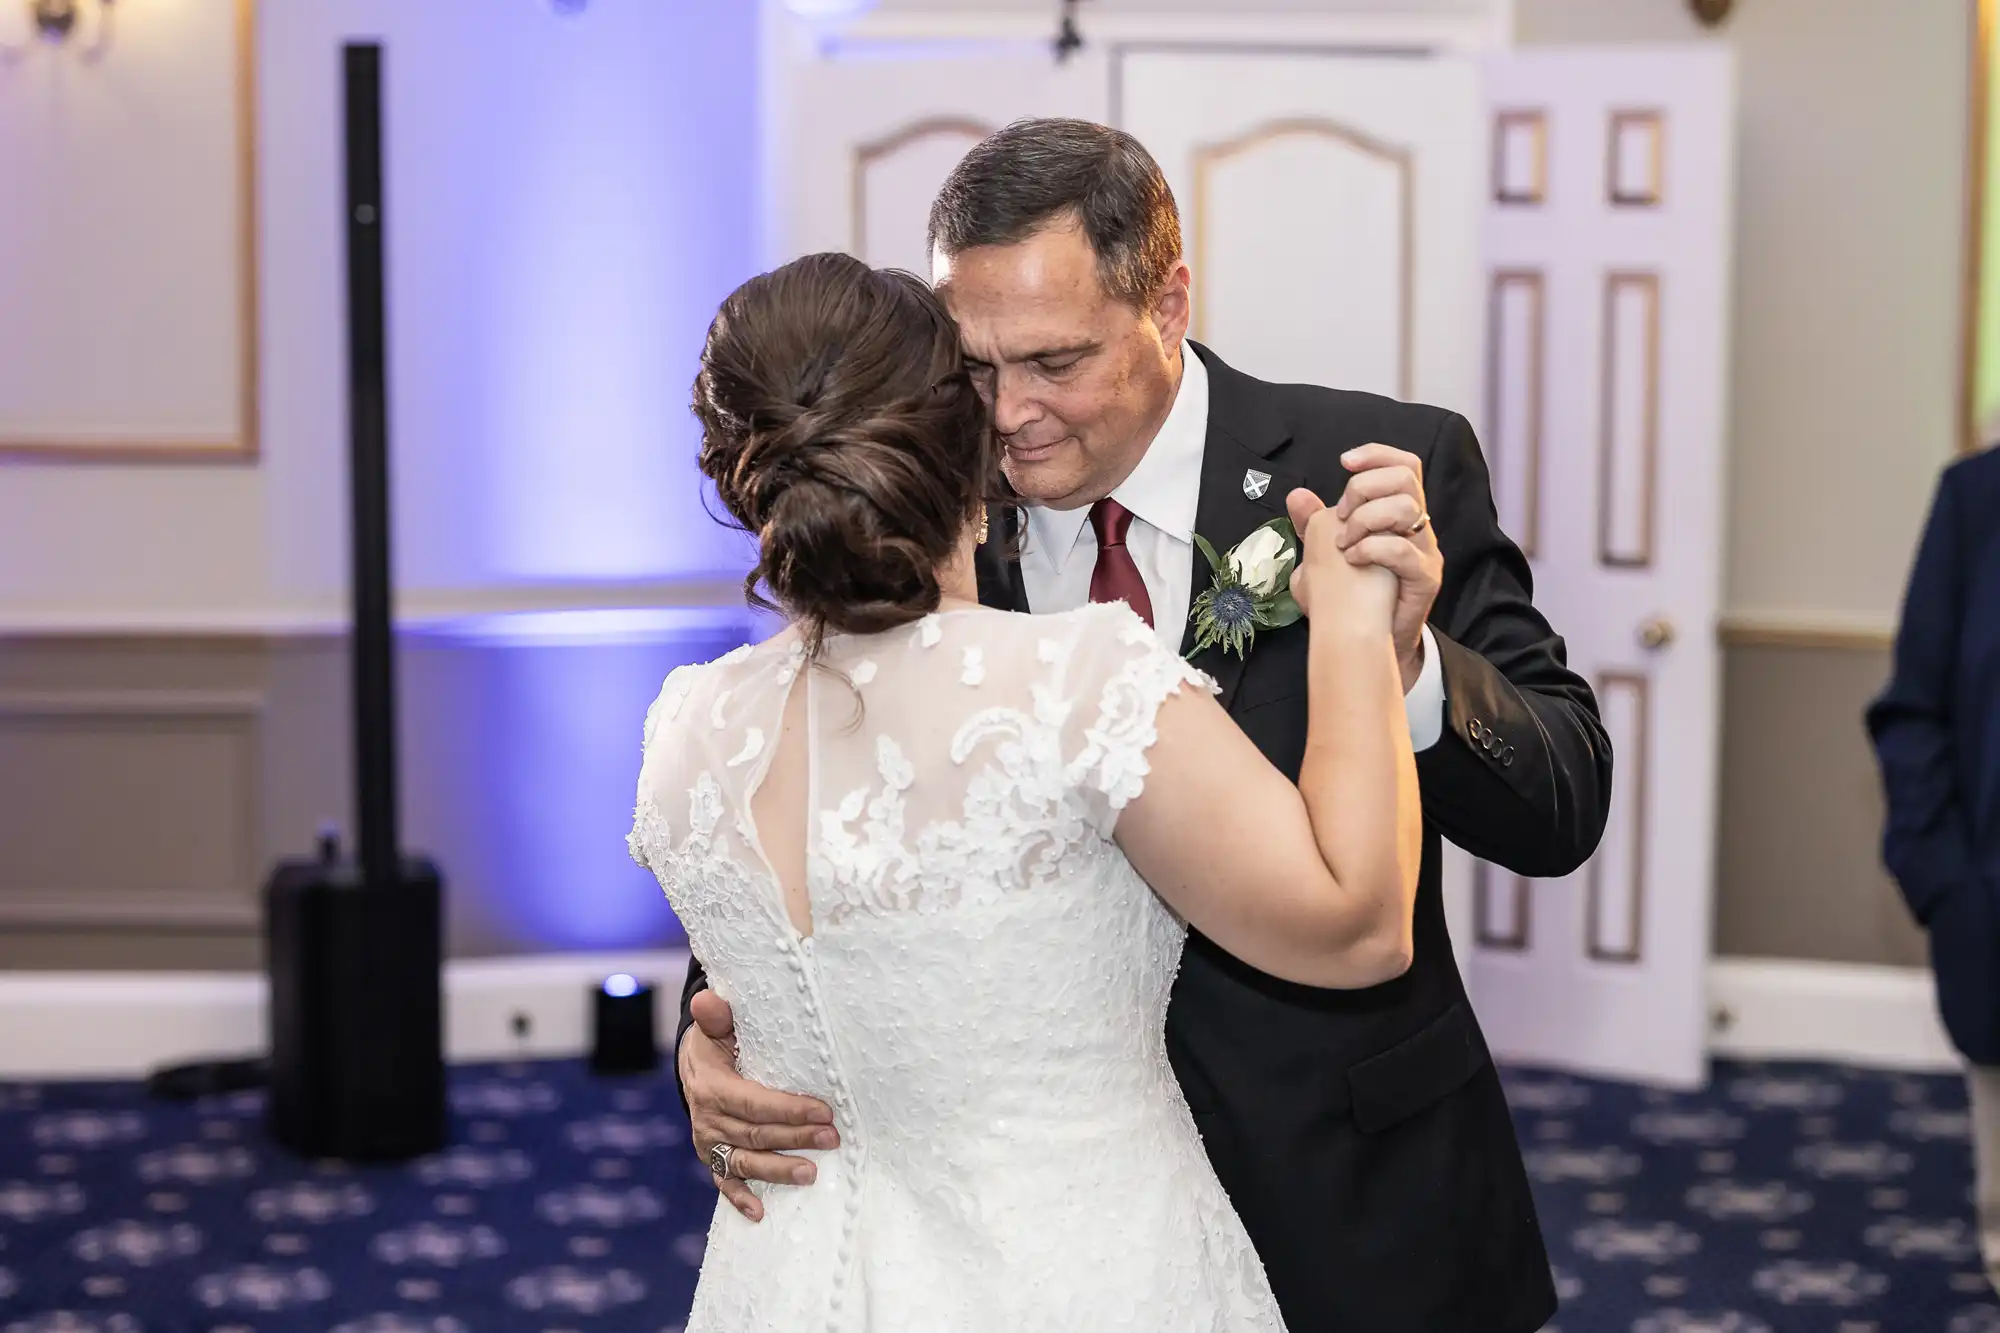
(1251,589)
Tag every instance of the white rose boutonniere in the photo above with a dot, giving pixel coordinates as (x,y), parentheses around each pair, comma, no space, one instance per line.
(1251,589)
(1261,561)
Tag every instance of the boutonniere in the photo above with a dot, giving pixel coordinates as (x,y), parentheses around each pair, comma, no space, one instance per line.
(1251,589)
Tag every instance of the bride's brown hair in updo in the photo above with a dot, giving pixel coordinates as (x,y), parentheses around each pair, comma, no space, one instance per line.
(838,423)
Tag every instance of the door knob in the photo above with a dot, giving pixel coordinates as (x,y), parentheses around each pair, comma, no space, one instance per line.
(1656,633)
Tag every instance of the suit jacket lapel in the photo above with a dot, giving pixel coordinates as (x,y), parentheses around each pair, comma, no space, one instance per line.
(1000,583)
(1244,436)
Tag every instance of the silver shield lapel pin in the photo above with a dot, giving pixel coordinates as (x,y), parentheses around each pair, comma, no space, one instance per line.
(1255,483)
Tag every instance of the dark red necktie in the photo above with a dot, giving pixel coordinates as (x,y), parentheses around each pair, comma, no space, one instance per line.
(1116,578)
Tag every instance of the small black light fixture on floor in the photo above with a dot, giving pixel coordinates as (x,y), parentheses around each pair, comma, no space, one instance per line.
(623,1037)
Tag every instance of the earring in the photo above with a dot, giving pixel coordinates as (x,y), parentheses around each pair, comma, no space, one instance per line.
(979,537)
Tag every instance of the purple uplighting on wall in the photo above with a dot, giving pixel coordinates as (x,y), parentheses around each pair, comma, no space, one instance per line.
(521,746)
(571,197)
(571,194)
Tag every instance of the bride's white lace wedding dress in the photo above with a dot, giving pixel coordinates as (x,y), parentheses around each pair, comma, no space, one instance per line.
(983,994)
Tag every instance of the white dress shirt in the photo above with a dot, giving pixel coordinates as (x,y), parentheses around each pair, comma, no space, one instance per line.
(1060,552)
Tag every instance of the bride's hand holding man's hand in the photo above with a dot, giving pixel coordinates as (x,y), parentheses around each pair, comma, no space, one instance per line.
(1328,582)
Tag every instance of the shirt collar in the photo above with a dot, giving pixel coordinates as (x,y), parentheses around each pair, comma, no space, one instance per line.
(1164,488)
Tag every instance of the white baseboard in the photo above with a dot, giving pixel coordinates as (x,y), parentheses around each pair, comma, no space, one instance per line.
(125,1024)
(553,991)
(1779,1009)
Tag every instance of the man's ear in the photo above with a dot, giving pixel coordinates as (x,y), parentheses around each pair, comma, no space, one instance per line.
(1172,308)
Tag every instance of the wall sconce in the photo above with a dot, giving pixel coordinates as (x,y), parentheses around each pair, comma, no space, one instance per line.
(58,22)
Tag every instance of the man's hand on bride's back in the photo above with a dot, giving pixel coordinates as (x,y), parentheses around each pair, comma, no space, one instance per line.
(761,1123)
(1331,581)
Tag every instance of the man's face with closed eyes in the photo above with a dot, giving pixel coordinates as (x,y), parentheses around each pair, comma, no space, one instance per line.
(1078,380)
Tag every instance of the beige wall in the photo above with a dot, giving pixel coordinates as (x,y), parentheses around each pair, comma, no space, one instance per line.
(1848,226)
(1845,374)
(1800,873)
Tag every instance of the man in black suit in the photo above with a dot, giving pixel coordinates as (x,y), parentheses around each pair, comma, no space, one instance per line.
(1362,1135)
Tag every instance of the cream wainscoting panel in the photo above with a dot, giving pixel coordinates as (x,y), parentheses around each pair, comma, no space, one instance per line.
(1799,804)
(131,808)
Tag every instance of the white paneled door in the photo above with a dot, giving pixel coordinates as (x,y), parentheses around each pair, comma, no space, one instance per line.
(872,133)
(1538,240)
(1328,206)
(1607,220)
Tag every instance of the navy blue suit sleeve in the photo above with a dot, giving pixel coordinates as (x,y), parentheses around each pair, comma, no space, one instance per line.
(1925,842)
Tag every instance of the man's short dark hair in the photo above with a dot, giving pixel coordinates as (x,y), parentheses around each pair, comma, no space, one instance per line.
(1038,172)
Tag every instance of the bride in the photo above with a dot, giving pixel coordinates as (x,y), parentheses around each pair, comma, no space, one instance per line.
(941,859)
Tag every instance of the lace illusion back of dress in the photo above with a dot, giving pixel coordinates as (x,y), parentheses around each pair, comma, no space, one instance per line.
(778,804)
(911,898)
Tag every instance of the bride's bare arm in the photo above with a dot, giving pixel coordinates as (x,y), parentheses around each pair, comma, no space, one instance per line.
(1314,883)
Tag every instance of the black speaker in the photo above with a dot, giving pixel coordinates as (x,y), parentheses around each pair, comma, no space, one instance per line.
(357,1062)
(355,947)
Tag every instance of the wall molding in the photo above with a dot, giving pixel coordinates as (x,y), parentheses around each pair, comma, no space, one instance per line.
(1817,630)
(1850,1013)
(84,911)
(1813,631)
(125,1024)
(417,608)
(121,1025)
(1979,21)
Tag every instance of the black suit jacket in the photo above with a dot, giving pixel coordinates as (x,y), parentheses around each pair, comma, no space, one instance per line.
(1363,1135)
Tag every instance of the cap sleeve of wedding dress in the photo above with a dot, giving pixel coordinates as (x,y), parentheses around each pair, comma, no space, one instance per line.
(981,997)
(651,825)
(1122,677)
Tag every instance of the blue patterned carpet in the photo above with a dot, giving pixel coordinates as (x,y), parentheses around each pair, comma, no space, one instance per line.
(1795,1197)
(1789,1198)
